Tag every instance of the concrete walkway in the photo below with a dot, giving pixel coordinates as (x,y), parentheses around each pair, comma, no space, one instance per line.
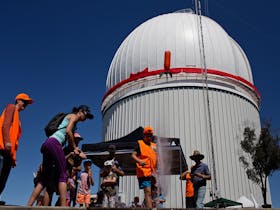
(94,208)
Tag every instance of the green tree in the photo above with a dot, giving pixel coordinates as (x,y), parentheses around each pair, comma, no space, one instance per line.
(263,156)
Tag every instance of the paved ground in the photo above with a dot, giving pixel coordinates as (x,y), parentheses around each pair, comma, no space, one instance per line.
(92,208)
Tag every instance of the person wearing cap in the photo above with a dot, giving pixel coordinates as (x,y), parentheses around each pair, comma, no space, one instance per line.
(74,162)
(10,131)
(116,168)
(112,156)
(108,185)
(145,157)
(52,150)
(199,173)
(86,181)
(73,166)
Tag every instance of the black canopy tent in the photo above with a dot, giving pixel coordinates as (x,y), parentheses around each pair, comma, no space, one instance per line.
(124,147)
(222,203)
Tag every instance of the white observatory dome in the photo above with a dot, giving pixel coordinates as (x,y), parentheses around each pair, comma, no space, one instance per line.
(177,32)
(205,98)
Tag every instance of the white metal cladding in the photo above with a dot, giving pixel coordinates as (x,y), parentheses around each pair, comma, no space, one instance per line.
(180,112)
(177,32)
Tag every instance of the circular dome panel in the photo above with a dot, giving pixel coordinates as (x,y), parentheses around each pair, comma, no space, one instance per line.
(178,33)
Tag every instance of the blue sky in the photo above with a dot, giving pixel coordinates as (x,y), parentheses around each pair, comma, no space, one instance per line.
(59,52)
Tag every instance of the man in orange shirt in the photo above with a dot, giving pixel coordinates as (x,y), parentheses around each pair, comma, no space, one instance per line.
(10,131)
(145,157)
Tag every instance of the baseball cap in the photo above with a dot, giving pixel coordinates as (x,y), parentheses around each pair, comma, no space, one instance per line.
(148,130)
(24,97)
(108,163)
(86,111)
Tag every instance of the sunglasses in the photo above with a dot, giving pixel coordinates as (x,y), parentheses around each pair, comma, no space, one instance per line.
(25,102)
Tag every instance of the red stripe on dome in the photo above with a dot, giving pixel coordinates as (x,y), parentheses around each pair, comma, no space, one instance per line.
(147,73)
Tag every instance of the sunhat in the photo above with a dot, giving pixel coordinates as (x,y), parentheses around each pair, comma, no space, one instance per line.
(196,154)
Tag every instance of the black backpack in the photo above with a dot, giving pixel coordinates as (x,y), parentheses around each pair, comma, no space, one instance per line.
(52,126)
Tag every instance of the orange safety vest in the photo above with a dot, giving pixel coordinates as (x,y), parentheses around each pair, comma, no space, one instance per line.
(189,186)
(15,132)
(149,156)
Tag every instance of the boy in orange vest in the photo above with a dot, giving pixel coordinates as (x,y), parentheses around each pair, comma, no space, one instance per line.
(146,159)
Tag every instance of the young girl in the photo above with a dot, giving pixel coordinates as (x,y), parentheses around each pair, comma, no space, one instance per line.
(86,181)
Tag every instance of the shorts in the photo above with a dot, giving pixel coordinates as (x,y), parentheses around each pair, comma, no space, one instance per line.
(83,198)
(144,182)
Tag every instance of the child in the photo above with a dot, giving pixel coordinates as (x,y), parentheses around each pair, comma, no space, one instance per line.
(135,203)
(108,185)
(189,189)
(71,188)
(86,181)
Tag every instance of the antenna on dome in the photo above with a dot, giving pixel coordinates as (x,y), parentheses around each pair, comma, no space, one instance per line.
(209,132)
(198,7)
(206,8)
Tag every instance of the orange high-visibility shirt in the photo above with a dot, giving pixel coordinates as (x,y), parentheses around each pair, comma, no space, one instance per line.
(149,156)
(15,132)
(189,185)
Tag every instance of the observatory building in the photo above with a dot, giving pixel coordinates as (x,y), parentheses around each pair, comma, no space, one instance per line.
(204,95)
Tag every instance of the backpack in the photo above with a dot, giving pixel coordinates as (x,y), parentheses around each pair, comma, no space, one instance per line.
(53,124)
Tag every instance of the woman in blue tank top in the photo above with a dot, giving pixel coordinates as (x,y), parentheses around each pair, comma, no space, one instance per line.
(53,155)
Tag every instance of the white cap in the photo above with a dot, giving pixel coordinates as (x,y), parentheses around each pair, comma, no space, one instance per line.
(108,163)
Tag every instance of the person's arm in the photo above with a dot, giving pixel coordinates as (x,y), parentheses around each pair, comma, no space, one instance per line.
(203,176)
(82,155)
(109,181)
(135,153)
(102,173)
(207,174)
(118,171)
(137,160)
(9,114)
(72,184)
(90,177)
(73,119)
(183,175)
(68,155)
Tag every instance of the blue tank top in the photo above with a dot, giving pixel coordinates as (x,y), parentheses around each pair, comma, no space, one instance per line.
(60,134)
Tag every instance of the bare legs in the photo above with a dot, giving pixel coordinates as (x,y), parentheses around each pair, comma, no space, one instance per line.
(35,194)
(148,198)
(62,188)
